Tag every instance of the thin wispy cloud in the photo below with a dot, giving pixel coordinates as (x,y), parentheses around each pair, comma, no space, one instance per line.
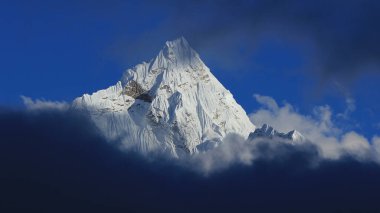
(42,104)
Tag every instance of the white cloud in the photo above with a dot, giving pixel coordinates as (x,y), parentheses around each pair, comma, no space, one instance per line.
(318,128)
(41,104)
(286,118)
(266,101)
(356,145)
(331,142)
(234,149)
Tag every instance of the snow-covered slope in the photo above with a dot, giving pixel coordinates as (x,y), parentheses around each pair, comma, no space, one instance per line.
(172,104)
(267,131)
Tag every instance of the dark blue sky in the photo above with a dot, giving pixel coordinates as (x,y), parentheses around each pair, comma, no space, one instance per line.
(308,54)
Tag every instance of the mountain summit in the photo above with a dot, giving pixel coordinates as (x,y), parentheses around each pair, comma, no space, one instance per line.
(172,104)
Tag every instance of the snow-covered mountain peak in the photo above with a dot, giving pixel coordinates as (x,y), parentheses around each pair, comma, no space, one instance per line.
(267,131)
(176,61)
(179,46)
(176,54)
(173,103)
(179,52)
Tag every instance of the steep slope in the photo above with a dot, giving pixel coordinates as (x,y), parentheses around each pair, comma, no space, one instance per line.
(172,104)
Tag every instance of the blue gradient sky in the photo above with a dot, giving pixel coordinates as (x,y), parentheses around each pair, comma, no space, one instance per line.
(58,50)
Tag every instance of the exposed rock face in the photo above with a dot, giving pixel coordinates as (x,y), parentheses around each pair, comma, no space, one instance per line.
(133,89)
(171,104)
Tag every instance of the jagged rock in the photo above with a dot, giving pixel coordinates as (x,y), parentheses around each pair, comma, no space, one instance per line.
(133,89)
(267,131)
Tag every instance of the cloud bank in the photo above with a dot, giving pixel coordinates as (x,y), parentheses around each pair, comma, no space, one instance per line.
(42,104)
(56,161)
(319,128)
(329,141)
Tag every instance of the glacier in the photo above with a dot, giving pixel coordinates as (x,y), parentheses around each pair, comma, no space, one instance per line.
(171,104)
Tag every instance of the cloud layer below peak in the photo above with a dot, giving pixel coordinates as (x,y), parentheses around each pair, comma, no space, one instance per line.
(55,160)
(318,128)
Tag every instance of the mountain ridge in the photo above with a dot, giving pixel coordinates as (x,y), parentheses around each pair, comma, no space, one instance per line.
(268,132)
(173,103)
